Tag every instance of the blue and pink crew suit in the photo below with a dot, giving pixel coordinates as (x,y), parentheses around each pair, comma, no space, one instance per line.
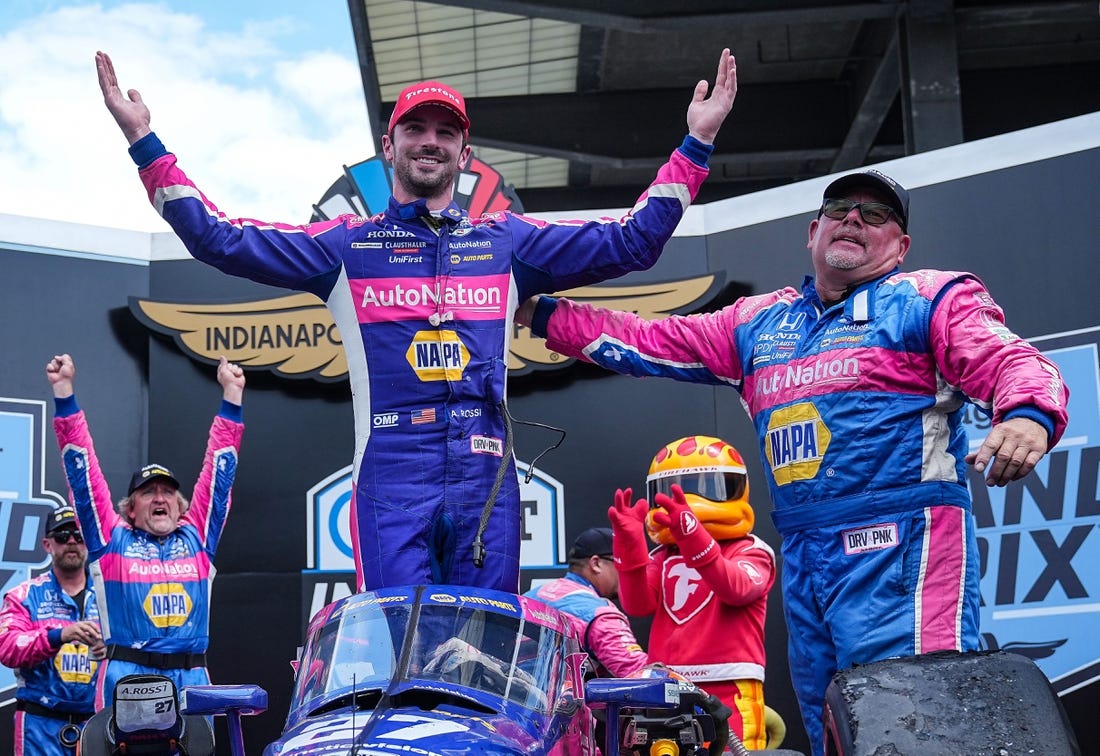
(153,593)
(55,681)
(858,410)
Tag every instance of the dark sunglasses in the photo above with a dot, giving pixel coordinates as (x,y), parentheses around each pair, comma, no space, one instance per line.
(875,213)
(63,536)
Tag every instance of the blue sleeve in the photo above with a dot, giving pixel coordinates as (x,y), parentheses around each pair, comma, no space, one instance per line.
(66,406)
(231,411)
(541,319)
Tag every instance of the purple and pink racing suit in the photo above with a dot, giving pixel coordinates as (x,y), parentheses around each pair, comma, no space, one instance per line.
(424,304)
(602,626)
(55,681)
(153,593)
(858,410)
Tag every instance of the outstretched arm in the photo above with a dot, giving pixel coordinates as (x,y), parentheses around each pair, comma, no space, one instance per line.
(130,112)
(212,500)
(88,489)
(706,114)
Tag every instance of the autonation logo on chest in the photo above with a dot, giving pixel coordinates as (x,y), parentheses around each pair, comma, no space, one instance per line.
(1038,538)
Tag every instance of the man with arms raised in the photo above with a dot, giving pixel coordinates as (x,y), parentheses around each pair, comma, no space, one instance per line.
(424,296)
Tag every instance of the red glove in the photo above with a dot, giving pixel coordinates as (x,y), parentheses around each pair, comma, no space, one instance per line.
(628,526)
(696,544)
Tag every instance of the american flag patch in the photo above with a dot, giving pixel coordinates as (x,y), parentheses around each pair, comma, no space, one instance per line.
(420,417)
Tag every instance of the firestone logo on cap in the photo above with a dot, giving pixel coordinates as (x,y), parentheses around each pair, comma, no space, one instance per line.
(448,93)
(429,93)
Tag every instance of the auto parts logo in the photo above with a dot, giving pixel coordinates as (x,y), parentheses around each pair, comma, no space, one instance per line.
(795,444)
(167,604)
(74,665)
(437,356)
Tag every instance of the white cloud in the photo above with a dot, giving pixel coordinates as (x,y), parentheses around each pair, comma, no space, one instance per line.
(262,130)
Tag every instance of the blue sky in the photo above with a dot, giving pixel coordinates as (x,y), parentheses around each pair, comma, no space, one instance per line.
(261,101)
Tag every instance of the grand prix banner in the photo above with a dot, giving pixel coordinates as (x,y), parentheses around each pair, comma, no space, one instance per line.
(1038,538)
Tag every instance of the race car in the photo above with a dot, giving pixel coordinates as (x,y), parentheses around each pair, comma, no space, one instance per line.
(452,670)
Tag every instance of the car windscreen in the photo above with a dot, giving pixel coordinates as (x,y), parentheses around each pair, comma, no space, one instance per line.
(501,655)
(357,649)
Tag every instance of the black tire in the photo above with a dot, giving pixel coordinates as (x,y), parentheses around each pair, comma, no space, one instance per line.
(946,703)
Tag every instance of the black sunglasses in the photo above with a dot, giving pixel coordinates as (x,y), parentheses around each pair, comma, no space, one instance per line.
(875,213)
(63,536)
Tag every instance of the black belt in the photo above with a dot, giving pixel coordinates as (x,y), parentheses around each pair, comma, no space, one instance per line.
(158,661)
(44,711)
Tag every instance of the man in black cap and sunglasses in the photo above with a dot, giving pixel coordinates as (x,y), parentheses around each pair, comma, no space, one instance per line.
(856,384)
(49,634)
(153,553)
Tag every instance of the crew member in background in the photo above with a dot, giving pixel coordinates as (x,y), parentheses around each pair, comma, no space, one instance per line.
(49,634)
(153,558)
(706,584)
(587,593)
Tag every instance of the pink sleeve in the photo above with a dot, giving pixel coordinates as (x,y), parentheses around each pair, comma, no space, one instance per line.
(88,490)
(212,497)
(611,640)
(698,348)
(994,367)
(22,642)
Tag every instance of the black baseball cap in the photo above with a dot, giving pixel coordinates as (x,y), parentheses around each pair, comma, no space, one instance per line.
(896,195)
(62,517)
(592,542)
(148,473)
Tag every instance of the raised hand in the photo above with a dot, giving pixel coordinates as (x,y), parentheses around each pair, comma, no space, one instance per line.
(706,114)
(231,378)
(696,544)
(131,114)
(60,372)
(628,545)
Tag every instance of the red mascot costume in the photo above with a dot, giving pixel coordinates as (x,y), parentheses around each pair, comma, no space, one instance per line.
(706,584)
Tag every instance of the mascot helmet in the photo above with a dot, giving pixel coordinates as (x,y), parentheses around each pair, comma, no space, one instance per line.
(715,482)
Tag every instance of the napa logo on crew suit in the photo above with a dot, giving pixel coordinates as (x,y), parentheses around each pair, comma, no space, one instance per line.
(167,605)
(74,665)
(437,356)
(796,441)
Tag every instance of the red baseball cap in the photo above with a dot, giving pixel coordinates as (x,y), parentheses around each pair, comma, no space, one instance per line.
(429,93)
